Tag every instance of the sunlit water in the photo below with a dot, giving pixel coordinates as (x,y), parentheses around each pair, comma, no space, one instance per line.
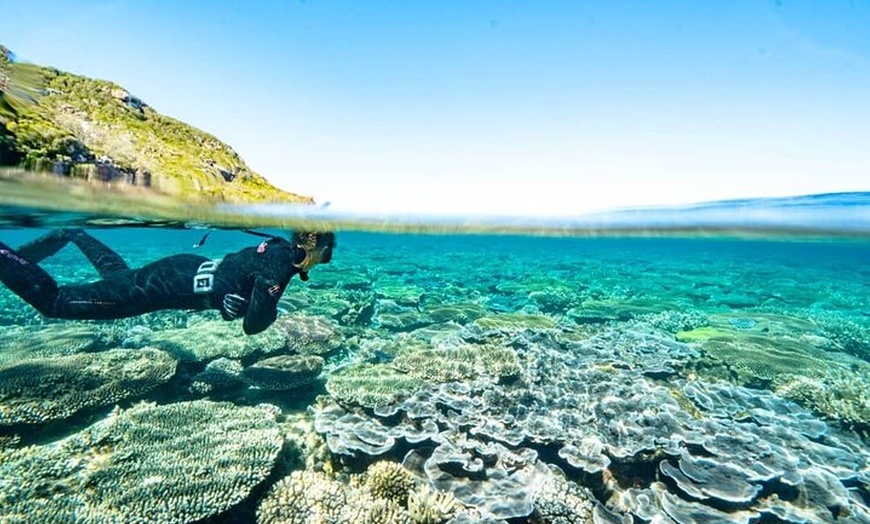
(681,370)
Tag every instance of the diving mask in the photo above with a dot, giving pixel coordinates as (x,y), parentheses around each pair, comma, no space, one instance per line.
(314,248)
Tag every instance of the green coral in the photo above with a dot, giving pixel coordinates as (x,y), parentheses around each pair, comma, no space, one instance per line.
(399,292)
(784,353)
(759,362)
(221,374)
(399,319)
(703,334)
(848,336)
(757,349)
(375,348)
(370,385)
(43,389)
(414,363)
(169,464)
(461,313)
(673,321)
(514,322)
(551,294)
(606,310)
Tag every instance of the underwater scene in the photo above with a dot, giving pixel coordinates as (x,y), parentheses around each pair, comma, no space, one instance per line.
(455,378)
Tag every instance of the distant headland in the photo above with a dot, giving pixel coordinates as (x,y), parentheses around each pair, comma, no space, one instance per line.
(82,128)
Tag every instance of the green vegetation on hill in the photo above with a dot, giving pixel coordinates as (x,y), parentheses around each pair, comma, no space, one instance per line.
(75,126)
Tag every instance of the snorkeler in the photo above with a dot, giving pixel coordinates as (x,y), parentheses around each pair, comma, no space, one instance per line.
(246,284)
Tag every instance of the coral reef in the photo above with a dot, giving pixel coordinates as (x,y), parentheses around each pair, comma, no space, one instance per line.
(39,390)
(723,451)
(835,395)
(493,325)
(460,312)
(784,354)
(487,476)
(399,292)
(394,317)
(757,349)
(600,383)
(169,464)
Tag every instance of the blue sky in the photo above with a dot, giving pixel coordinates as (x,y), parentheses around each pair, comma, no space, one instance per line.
(493,107)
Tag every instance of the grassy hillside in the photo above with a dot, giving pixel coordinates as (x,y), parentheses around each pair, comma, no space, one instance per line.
(75,126)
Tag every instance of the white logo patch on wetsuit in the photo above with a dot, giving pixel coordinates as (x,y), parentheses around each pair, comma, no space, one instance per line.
(203,281)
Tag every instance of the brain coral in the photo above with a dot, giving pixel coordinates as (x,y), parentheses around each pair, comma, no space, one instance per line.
(168,464)
(560,501)
(42,389)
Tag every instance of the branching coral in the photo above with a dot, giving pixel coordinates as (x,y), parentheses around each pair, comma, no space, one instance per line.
(427,506)
(306,497)
(389,481)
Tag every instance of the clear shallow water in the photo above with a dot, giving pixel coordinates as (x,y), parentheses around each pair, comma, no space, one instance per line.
(700,378)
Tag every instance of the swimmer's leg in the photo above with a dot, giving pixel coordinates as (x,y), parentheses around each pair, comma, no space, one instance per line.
(45,246)
(100,255)
(28,281)
(106,261)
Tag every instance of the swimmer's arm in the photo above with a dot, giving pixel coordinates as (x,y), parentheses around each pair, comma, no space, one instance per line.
(263,309)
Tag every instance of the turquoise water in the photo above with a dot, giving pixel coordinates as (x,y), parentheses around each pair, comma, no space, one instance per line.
(459,378)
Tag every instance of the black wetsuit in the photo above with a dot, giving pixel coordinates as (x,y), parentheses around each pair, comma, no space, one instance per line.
(258,275)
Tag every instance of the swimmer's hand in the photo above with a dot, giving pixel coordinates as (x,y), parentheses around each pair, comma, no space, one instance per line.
(234,306)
